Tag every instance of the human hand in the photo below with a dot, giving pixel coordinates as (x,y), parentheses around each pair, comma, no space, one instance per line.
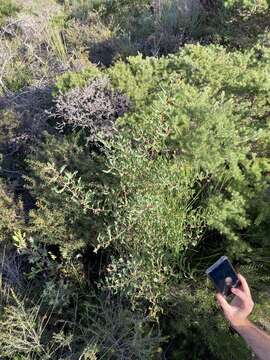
(241,306)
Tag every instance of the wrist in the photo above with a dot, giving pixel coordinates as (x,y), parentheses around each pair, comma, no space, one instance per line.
(240,324)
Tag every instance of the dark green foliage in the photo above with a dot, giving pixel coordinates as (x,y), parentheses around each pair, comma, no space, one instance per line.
(9,125)
(11,213)
(198,325)
(65,227)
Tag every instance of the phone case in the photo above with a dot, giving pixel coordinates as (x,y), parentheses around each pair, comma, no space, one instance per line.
(223,275)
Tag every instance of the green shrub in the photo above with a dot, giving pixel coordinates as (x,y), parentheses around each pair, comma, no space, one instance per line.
(7,8)
(71,80)
(11,214)
(65,228)
(182,182)
(18,76)
(9,126)
(248,4)
(175,151)
(140,78)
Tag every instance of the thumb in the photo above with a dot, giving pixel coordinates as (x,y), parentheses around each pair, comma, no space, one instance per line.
(223,302)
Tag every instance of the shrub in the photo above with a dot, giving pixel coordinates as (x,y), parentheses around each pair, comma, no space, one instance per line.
(164,210)
(95,108)
(23,119)
(11,215)
(248,4)
(118,333)
(71,80)
(18,76)
(106,329)
(105,235)
(182,182)
(7,8)
(212,67)
(65,228)
(9,125)
(22,326)
(175,16)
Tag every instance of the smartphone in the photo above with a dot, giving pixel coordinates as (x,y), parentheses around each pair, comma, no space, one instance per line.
(223,276)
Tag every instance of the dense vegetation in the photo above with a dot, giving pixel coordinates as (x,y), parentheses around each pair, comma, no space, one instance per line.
(134,152)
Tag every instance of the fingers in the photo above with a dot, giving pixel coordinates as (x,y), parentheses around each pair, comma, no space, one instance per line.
(244,285)
(223,302)
(239,293)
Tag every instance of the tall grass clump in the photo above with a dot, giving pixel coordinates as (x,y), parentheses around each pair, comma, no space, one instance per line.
(175,16)
(56,40)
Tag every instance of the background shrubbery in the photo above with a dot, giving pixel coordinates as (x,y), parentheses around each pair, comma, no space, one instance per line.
(123,180)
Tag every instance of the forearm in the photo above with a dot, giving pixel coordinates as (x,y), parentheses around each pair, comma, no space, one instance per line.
(257,339)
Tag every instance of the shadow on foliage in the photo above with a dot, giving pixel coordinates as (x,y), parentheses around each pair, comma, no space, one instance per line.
(199,330)
(242,29)
(235,28)
(23,119)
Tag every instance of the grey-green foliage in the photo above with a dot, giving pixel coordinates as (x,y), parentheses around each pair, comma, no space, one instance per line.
(176,16)
(20,332)
(118,332)
(95,108)
(96,328)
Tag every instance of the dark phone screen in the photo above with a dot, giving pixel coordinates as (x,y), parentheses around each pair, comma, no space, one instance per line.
(224,277)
